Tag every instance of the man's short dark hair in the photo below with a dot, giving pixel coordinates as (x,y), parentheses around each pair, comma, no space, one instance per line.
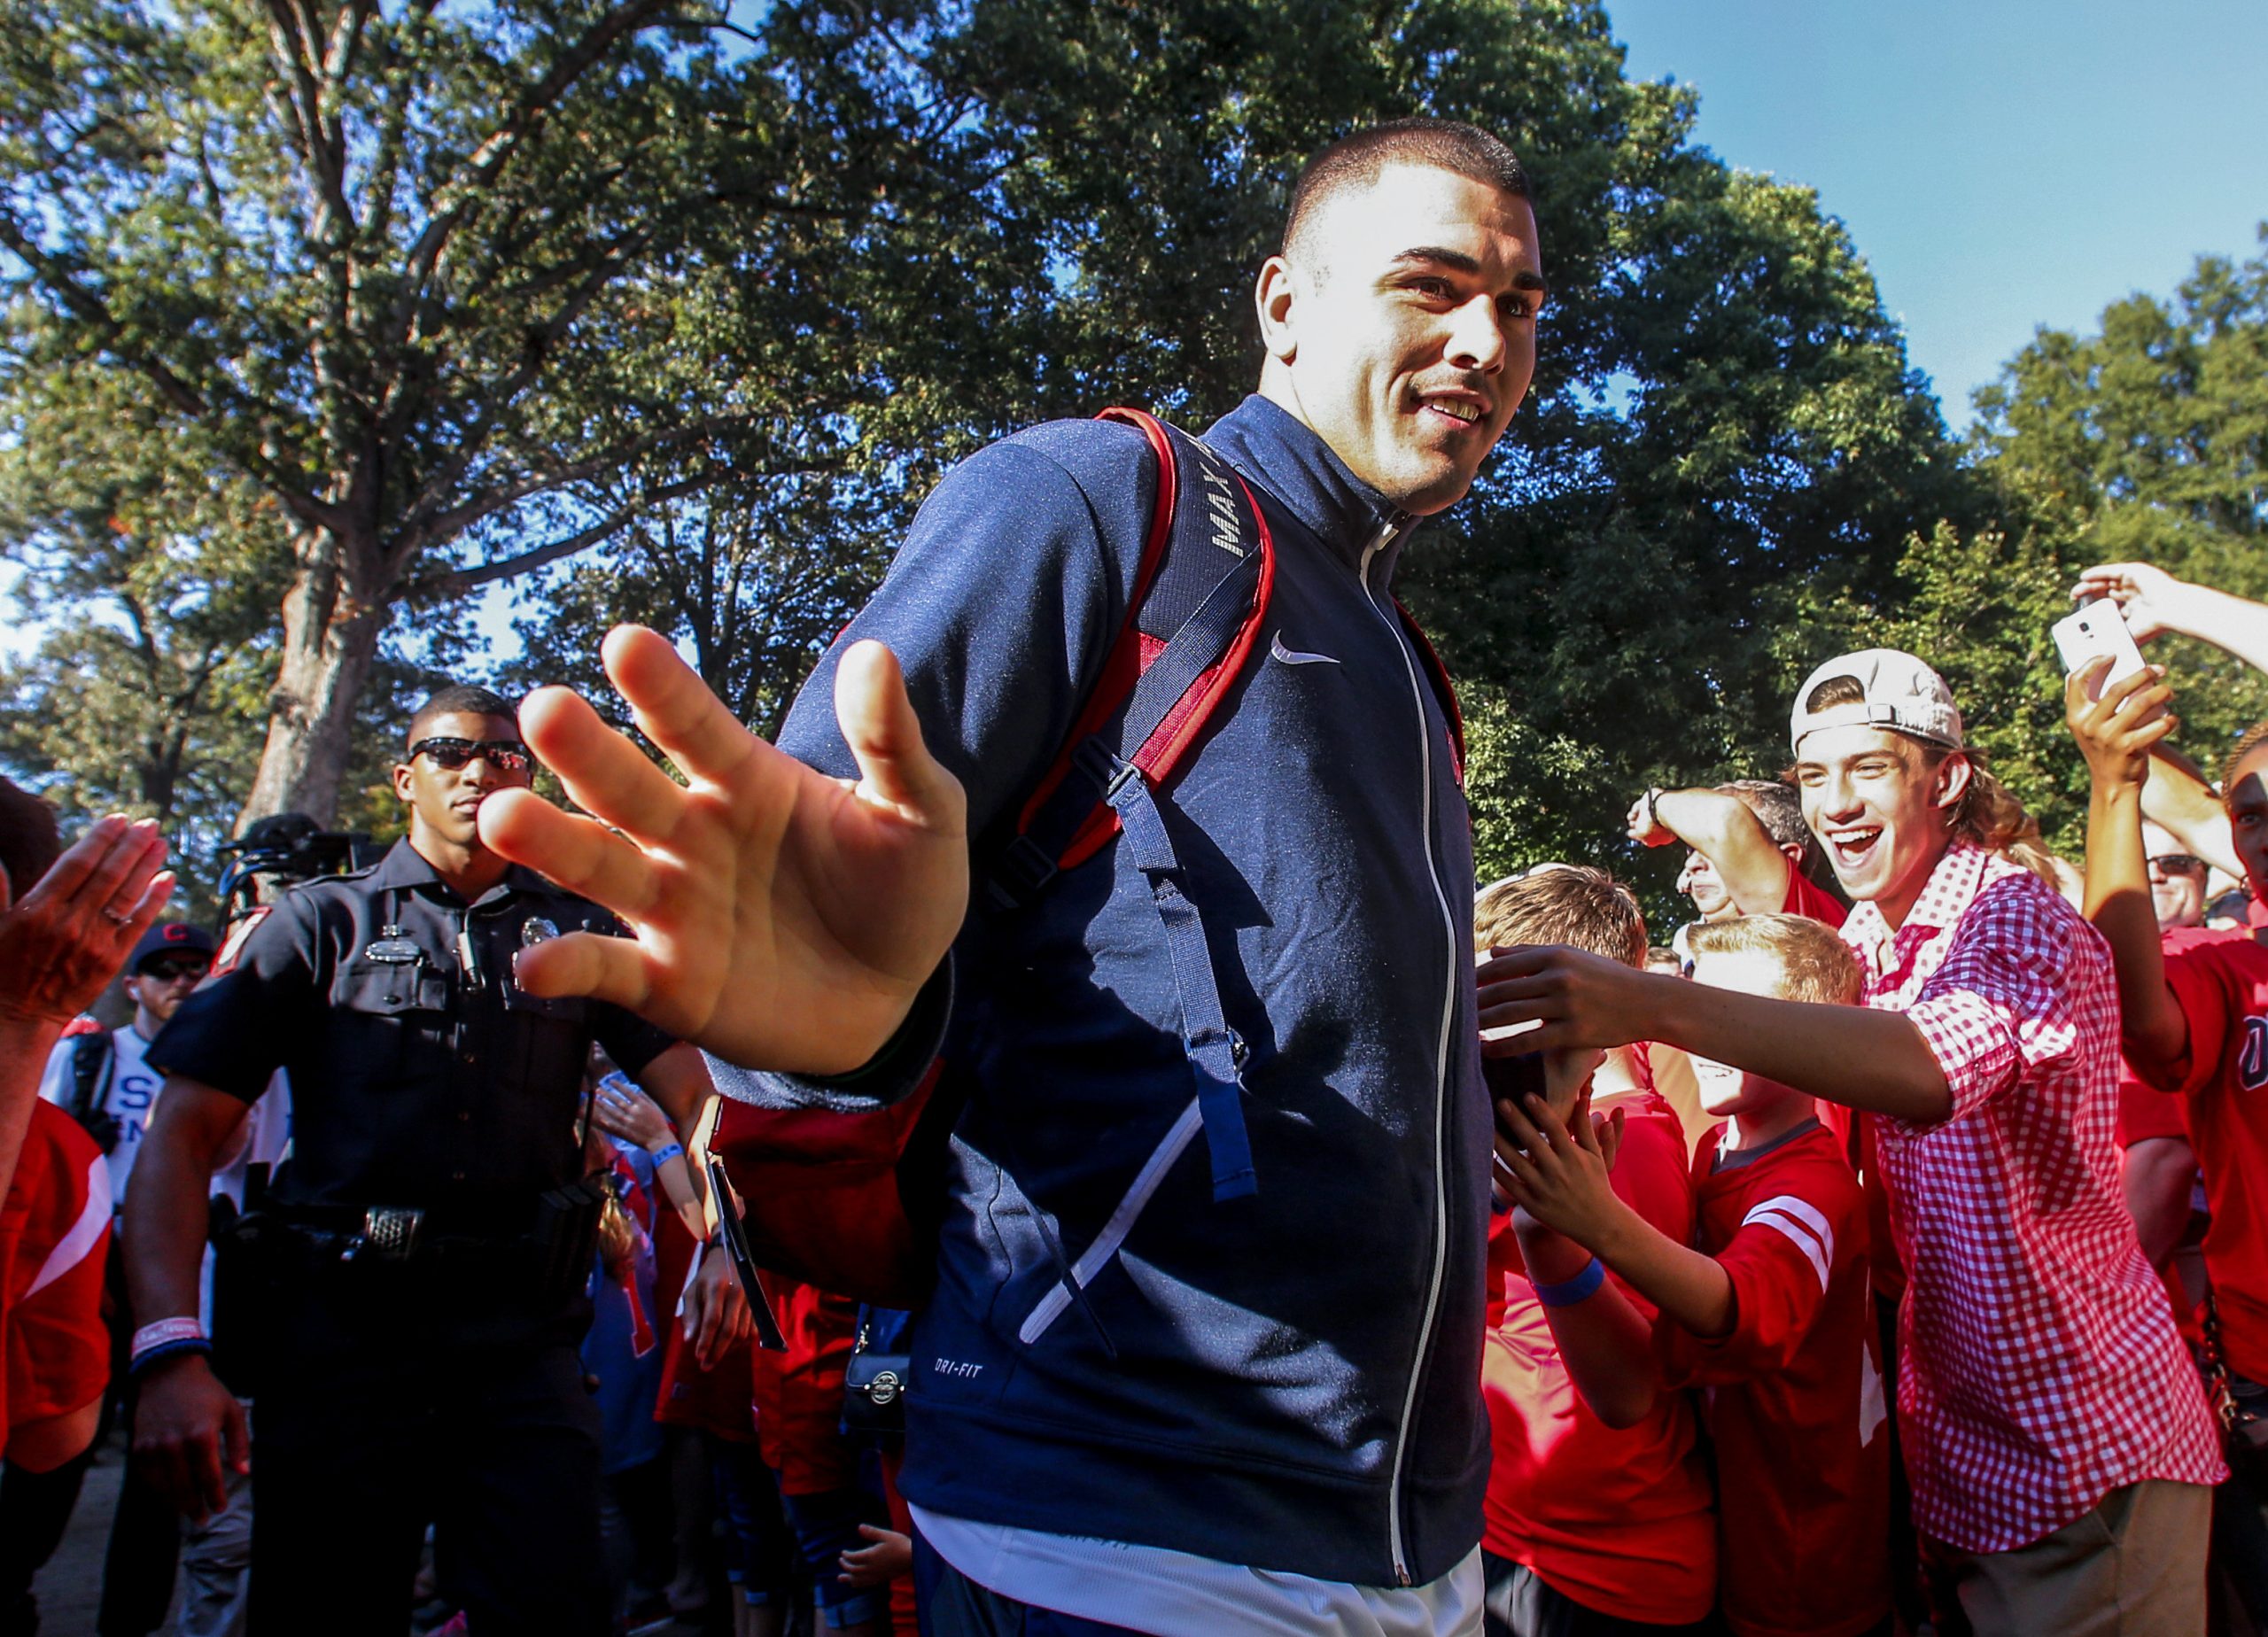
(1355,159)
(30,843)
(1777,807)
(460,698)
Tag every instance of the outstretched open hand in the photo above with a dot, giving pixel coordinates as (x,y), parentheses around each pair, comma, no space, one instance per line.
(779,918)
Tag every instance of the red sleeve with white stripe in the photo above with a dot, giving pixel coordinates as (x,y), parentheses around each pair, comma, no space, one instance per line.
(57,1235)
(1781,1258)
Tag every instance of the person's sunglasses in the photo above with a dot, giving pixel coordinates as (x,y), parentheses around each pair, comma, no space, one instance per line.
(505,756)
(172,971)
(2178,864)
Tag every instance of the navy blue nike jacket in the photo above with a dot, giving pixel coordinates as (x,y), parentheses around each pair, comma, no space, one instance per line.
(1291,1380)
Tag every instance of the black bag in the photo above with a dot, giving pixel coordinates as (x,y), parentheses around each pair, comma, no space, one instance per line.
(873,1389)
(2241,1406)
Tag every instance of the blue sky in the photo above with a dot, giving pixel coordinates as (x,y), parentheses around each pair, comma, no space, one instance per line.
(2000,164)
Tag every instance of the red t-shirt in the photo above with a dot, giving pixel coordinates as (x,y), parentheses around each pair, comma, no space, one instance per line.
(54,1239)
(1620,1521)
(1805,899)
(799,1392)
(2222,987)
(1796,1409)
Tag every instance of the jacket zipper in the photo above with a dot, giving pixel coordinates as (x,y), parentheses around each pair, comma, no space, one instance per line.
(1392,526)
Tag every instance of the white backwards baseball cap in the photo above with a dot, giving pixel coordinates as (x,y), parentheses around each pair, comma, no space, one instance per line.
(1901,693)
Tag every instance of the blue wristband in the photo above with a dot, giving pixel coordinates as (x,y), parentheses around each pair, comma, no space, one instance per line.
(1567,1292)
(667,1150)
(150,1355)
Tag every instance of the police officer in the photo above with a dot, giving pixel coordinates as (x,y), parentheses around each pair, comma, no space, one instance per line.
(406,1301)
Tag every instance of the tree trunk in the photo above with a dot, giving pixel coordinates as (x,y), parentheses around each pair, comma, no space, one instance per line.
(330,641)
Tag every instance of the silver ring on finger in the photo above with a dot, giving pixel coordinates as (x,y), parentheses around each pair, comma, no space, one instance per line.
(115,918)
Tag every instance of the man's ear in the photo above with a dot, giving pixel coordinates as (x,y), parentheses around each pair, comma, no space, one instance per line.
(1275,297)
(402,771)
(1954,776)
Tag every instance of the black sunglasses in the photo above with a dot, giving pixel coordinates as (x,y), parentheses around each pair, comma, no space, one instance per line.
(166,971)
(505,756)
(2178,864)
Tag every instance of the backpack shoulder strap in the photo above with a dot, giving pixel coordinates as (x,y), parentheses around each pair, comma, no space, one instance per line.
(1201,596)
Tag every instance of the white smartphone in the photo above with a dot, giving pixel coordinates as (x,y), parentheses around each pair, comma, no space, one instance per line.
(2095,630)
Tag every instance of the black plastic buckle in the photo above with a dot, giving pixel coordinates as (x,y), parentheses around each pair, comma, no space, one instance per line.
(1022,869)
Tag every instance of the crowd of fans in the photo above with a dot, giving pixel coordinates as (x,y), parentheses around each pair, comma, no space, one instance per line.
(1695,1338)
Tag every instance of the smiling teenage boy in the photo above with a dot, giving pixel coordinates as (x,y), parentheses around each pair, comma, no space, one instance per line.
(1765,1305)
(2059,1451)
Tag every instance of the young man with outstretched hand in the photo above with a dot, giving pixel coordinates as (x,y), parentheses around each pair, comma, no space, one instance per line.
(2195,1025)
(1764,1304)
(2060,1451)
(1145,1392)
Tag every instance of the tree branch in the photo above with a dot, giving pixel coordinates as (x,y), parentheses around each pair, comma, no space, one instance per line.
(56,277)
(457,583)
(489,161)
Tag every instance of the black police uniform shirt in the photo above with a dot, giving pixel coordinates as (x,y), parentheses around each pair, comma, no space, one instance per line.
(422,1076)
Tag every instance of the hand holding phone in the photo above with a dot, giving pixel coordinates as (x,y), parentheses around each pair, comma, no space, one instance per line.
(768,1335)
(2097,629)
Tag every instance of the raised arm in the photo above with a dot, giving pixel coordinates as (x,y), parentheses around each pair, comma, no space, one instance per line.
(1853,1055)
(661,1112)
(2115,741)
(2182,804)
(2153,601)
(62,939)
(1722,830)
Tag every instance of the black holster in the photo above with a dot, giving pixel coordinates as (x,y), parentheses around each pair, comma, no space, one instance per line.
(566,1236)
(244,1297)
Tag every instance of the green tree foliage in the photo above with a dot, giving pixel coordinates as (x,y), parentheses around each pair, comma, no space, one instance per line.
(152,568)
(154,571)
(753,583)
(460,292)
(680,314)
(1723,439)
(2147,441)
(1979,605)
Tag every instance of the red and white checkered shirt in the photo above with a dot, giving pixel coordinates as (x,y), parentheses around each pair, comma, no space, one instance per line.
(2038,1365)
